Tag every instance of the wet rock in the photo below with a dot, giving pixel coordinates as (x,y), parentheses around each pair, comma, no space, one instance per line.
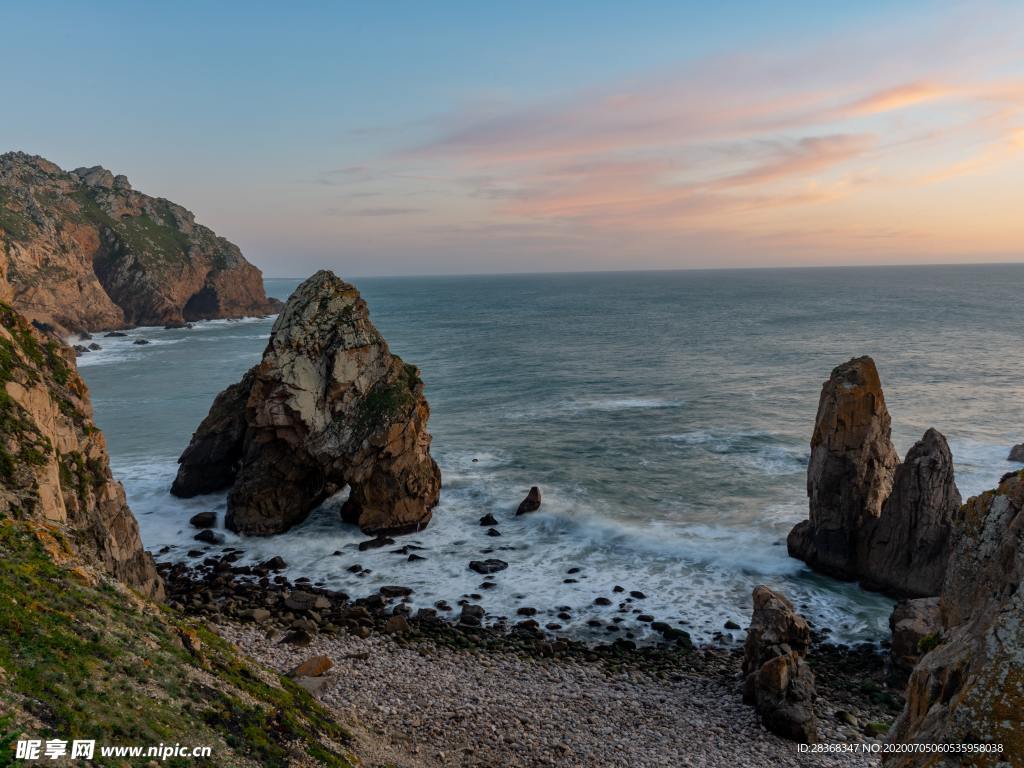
(485,567)
(275,563)
(395,591)
(209,537)
(778,681)
(377,543)
(493,532)
(140,342)
(488,520)
(203,520)
(602,601)
(531,503)
(396,625)
(114,334)
(637,595)
(95,347)
(299,600)
(1016,453)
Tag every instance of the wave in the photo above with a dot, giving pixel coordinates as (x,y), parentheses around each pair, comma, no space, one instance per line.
(759,451)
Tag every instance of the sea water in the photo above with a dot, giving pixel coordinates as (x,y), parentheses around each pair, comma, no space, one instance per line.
(665,416)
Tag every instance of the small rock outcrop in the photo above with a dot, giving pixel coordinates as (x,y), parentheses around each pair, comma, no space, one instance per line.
(329,406)
(1016,453)
(905,550)
(970,688)
(873,519)
(531,503)
(778,680)
(83,251)
(850,472)
(54,467)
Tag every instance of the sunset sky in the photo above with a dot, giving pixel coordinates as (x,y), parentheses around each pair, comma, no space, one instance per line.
(419,138)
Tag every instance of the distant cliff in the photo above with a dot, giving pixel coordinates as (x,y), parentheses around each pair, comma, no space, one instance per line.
(83,251)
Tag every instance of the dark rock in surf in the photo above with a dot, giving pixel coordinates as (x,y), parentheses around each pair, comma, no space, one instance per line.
(489,566)
(531,503)
(203,520)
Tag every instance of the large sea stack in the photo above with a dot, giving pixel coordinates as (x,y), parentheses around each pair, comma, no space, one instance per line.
(54,468)
(851,469)
(873,519)
(970,688)
(329,406)
(83,251)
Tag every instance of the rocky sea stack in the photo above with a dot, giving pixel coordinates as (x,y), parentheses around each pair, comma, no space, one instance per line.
(328,407)
(872,518)
(83,251)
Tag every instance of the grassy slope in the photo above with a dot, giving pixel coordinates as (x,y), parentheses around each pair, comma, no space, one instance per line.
(82,660)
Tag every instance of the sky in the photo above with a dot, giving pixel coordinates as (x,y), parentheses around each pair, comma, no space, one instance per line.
(467,137)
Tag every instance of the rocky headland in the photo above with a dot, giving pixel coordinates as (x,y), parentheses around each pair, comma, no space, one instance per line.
(328,407)
(83,251)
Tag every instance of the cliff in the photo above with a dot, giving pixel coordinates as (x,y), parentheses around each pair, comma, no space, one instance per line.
(85,651)
(969,689)
(329,406)
(83,251)
(54,462)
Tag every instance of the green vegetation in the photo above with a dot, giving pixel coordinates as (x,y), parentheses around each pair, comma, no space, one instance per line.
(388,401)
(15,225)
(929,642)
(93,661)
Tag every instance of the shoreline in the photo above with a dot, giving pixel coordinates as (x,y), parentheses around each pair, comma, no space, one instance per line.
(514,694)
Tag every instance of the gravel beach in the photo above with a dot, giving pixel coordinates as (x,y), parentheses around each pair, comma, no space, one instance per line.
(427,705)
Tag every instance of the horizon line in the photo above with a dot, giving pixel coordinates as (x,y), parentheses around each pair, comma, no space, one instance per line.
(790,267)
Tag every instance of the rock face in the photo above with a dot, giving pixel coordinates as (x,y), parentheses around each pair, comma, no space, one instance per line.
(851,469)
(83,251)
(915,625)
(778,681)
(970,688)
(872,518)
(328,406)
(53,461)
(906,549)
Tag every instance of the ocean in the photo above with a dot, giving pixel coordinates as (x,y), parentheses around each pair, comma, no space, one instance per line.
(666,417)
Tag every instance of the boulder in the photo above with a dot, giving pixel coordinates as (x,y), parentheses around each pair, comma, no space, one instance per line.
(969,689)
(851,470)
(531,503)
(1016,453)
(329,406)
(203,520)
(314,666)
(916,625)
(778,681)
(492,565)
(905,550)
